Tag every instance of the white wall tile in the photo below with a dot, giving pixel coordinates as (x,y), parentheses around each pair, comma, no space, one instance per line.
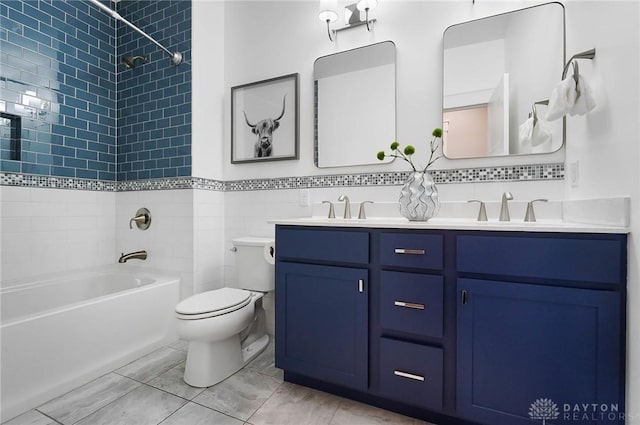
(52,230)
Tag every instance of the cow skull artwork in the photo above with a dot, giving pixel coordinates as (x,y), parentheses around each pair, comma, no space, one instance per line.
(264,130)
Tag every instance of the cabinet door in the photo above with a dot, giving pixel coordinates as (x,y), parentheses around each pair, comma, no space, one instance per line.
(322,323)
(519,344)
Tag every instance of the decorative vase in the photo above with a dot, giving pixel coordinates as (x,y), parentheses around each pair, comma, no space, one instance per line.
(419,197)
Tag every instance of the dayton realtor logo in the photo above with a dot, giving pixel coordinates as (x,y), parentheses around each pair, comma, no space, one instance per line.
(544,409)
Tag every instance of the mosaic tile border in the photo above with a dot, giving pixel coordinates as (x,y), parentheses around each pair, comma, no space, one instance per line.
(515,173)
(53,182)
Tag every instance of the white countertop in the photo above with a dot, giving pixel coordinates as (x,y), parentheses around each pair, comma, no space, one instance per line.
(438,223)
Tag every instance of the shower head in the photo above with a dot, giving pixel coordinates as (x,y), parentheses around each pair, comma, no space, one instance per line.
(131,61)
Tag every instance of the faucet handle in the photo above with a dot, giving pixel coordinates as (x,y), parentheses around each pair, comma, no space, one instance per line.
(332,211)
(142,219)
(482,212)
(361,214)
(530,215)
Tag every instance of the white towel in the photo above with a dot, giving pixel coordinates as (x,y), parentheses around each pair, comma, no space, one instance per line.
(565,100)
(540,134)
(585,102)
(562,99)
(525,132)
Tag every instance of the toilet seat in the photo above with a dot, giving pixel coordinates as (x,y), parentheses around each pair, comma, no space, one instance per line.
(212,303)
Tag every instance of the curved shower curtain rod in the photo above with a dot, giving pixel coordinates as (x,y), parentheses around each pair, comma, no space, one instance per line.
(176,57)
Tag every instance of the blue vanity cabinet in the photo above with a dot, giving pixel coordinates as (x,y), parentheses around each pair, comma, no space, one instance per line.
(322,310)
(540,318)
(464,327)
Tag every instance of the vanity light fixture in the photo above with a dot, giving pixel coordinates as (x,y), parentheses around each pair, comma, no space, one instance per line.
(354,19)
(328,16)
(365,6)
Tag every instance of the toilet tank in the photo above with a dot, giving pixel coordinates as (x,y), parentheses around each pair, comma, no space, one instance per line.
(255,258)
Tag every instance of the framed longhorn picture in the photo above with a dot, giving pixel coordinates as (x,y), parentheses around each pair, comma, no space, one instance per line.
(264,120)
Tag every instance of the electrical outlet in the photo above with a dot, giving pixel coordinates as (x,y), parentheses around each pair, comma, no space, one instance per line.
(574,173)
(304,197)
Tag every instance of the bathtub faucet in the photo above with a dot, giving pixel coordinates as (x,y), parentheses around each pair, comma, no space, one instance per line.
(138,255)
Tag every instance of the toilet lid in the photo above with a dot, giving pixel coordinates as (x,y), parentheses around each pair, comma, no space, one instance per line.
(224,300)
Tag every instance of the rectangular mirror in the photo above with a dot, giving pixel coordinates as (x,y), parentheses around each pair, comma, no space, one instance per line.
(355,105)
(498,72)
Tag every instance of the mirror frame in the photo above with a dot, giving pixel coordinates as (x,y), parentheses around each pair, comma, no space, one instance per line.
(564,61)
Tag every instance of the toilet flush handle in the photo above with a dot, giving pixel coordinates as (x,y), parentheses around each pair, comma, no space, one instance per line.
(233,249)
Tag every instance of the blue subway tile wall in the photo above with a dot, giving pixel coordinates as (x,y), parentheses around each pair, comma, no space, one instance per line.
(154,98)
(83,114)
(58,74)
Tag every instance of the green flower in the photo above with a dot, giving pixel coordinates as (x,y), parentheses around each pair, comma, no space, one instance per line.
(409,150)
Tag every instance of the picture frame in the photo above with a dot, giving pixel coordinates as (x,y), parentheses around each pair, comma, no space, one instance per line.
(265,120)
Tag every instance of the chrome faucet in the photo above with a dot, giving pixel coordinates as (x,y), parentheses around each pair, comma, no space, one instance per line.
(362,215)
(504,208)
(530,216)
(482,212)
(332,211)
(138,255)
(347,205)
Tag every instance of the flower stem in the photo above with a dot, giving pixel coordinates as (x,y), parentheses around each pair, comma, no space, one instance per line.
(434,148)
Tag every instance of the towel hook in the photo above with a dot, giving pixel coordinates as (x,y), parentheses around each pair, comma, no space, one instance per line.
(587,54)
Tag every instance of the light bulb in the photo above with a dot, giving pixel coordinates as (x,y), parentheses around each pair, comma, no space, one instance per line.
(366,4)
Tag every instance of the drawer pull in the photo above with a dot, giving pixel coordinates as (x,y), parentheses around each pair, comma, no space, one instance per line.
(409,305)
(410,251)
(360,285)
(409,375)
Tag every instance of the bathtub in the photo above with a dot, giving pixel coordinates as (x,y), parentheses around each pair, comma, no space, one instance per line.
(62,332)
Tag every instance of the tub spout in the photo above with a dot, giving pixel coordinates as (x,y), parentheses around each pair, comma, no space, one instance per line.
(138,255)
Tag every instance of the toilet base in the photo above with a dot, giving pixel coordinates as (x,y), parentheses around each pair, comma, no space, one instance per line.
(201,372)
(252,350)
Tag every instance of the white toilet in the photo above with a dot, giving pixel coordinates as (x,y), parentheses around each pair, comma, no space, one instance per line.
(225,328)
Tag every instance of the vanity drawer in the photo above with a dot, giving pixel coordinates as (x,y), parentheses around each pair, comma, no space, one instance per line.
(558,258)
(411,373)
(412,303)
(323,245)
(422,251)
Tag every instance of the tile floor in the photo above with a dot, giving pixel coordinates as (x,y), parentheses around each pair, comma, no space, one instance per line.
(150,391)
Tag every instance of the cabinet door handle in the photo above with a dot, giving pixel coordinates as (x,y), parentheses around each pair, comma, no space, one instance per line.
(360,285)
(409,251)
(408,375)
(409,305)
(465,297)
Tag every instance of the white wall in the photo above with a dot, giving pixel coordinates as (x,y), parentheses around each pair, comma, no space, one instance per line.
(208,237)
(48,231)
(209,90)
(267,39)
(54,230)
(263,30)
(169,241)
(606,141)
